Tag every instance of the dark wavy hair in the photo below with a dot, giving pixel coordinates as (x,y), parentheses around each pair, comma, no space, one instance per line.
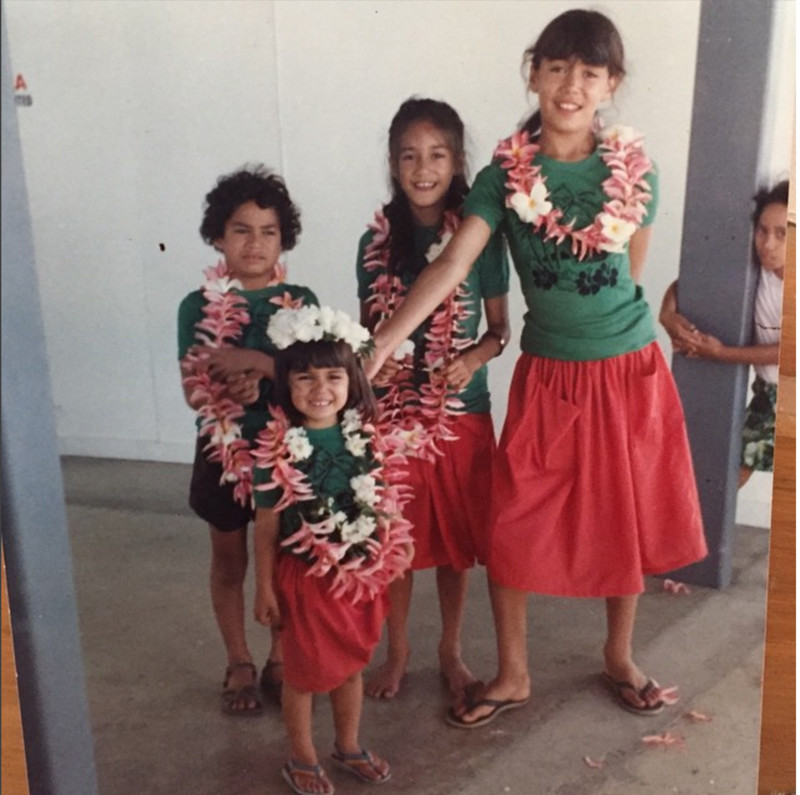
(397,211)
(587,35)
(301,356)
(251,183)
(777,194)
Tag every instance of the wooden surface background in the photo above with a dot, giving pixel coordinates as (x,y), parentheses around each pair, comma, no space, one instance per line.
(13,772)
(777,767)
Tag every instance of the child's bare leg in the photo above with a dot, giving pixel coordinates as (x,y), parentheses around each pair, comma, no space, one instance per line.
(296,708)
(347,700)
(452,587)
(385,682)
(512,683)
(618,650)
(228,570)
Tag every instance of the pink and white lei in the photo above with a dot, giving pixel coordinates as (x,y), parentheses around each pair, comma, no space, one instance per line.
(224,317)
(414,423)
(627,192)
(364,553)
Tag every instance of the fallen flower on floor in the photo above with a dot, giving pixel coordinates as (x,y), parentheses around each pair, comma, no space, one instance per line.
(670,586)
(597,764)
(669,695)
(697,717)
(664,740)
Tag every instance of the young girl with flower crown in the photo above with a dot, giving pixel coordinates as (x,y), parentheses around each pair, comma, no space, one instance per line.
(593,486)
(329,534)
(226,366)
(435,404)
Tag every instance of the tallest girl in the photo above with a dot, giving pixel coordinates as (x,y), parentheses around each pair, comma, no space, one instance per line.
(593,482)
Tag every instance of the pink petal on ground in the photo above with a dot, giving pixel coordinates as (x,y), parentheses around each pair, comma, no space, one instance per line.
(597,764)
(670,586)
(663,740)
(697,717)
(669,695)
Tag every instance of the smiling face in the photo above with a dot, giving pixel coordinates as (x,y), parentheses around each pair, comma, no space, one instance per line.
(251,244)
(319,394)
(770,238)
(570,91)
(425,167)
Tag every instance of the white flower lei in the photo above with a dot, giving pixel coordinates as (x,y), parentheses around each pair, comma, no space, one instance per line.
(627,191)
(372,547)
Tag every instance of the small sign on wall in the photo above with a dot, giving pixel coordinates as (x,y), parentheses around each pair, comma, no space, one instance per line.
(22,97)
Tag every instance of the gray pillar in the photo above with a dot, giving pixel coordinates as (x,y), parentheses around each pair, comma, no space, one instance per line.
(55,720)
(716,275)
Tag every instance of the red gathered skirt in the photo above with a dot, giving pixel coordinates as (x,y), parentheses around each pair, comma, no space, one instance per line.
(325,640)
(450,510)
(593,481)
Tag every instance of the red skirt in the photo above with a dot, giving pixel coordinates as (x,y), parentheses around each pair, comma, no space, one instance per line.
(325,640)
(450,509)
(593,481)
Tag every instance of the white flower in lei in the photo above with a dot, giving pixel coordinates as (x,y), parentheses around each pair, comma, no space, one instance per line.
(358,531)
(530,206)
(298,443)
(364,488)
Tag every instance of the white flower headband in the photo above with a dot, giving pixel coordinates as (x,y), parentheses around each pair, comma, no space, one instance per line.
(312,323)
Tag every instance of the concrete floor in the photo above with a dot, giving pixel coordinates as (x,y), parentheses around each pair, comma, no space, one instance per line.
(154,664)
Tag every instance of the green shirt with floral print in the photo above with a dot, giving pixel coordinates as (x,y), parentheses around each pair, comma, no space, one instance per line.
(577,310)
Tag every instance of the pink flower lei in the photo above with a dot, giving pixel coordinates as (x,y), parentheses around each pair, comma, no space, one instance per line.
(364,554)
(414,423)
(627,192)
(225,316)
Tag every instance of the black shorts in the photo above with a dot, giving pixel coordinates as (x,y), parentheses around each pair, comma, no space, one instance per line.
(213,501)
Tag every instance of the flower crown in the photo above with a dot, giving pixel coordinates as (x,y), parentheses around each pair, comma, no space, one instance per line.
(313,323)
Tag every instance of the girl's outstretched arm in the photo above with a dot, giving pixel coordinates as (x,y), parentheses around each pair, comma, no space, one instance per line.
(431,287)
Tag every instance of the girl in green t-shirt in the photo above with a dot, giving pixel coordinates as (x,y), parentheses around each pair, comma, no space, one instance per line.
(593,485)
(329,534)
(435,398)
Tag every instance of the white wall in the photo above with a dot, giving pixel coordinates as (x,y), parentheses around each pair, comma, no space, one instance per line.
(138,107)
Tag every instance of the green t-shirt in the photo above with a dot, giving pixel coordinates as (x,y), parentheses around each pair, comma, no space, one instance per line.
(329,470)
(254,336)
(576,310)
(487,279)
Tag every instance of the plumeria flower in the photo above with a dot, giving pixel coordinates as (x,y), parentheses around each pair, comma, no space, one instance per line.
(620,133)
(358,531)
(351,421)
(364,488)
(617,232)
(356,445)
(529,207)
(223,284)
(306,324)
(405,348)
(300,448)
(437,248)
